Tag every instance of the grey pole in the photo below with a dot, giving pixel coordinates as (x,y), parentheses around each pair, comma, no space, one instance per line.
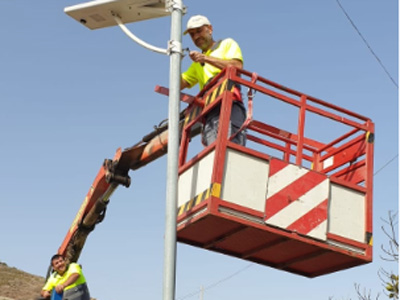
(173,150)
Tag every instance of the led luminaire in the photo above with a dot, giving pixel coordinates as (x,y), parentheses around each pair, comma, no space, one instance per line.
(99,13)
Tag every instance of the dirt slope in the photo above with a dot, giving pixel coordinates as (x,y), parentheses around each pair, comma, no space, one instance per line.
(18,285)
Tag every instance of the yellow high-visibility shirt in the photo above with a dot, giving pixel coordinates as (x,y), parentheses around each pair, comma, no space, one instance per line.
(196,73)
(56,279)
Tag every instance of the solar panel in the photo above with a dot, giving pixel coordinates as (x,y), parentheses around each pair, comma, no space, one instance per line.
(100,13)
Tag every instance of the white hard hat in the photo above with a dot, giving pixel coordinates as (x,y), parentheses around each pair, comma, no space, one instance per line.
(196,22)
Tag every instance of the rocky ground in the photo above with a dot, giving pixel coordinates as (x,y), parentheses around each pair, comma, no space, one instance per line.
(18,285)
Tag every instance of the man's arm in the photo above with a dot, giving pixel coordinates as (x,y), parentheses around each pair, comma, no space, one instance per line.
(71,279)
(216,62)
(184,84)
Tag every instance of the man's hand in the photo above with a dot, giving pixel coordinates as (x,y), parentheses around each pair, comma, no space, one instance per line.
(45,294)
(197,56)
(59,288)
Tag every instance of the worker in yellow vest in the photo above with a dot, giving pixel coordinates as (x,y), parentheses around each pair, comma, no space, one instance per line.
(214,56)
(67,279)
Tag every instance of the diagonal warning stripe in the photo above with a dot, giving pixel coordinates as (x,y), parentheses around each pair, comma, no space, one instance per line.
(213,190)
(297,199)
(311,219)
(293,191)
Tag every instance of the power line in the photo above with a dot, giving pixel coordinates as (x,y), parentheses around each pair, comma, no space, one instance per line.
(385,165)
(366,43)
(215,283)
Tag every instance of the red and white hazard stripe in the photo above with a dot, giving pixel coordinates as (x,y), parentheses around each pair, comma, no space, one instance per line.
(297,199)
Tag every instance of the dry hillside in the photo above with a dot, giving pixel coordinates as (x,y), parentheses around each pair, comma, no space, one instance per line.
(18,285)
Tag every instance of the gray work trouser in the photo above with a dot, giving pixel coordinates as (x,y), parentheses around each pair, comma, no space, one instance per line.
(210,128)
(80,292)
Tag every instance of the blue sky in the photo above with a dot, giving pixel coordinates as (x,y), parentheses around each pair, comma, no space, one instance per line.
(70,97)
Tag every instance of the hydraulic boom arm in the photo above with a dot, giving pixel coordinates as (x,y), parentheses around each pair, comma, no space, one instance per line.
(114,172)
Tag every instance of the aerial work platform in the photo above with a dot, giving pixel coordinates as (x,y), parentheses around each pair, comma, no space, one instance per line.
(297,197)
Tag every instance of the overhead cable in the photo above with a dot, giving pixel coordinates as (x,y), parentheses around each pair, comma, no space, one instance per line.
(216,283)
(385,165)
(366,43)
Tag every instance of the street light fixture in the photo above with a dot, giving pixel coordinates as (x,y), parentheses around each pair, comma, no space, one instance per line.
(105,13)
(99,13)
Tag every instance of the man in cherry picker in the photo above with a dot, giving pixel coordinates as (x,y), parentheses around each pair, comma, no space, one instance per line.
(214,56)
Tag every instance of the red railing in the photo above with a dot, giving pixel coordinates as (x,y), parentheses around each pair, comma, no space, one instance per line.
(346,157)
